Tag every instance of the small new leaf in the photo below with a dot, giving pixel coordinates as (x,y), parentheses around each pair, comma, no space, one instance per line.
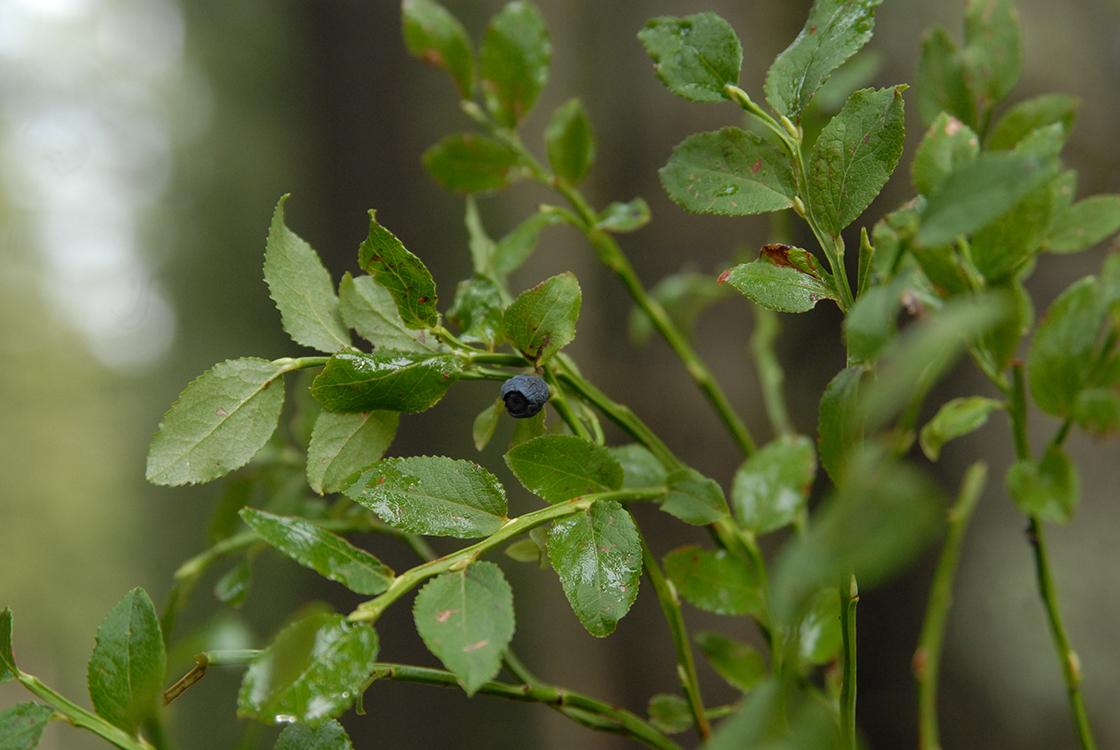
(384,258)
(624,217)
(695,56)
(956,418)
(1049,488)
(947,145)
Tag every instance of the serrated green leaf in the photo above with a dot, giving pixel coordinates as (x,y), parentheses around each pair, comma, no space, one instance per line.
(369,309)
(994,53)
(1049,489)
(384,258)
(516,247)
(820,635)
(557,468)
(342,444)
(598,556)
(684,296)
(432,495)
(840,424)
(855,155)
(542,320)
(882,516)
(694,498)
(1084,224)
(1060,361)
(695,56)
(232,588)
(669,713)
(570,142)
(640,468)
(385,380)
(466,619)
(779,288)
(513,62)
(730,172)
(624,217)
(942,81)
(772,487)
(435,36)
(327,736)
(125,673)
(219,422)
(302,290)
(714,581)
(326,553)
(7,660)
(485,423)
(738,663)
(22,725)
(978,193)
(472,163)
(947,145)
(477,311)
(955,418)
(1029,115)
(834,31)
(311,672)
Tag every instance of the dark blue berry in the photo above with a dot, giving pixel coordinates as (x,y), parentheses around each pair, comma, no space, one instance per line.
(524,395)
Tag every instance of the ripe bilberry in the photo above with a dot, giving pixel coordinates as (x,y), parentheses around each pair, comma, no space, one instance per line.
(524,395)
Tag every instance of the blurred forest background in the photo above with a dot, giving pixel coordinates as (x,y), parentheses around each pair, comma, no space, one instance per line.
(143,146)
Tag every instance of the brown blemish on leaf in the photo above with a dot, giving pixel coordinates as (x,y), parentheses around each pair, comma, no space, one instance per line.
(445,615)
(724,277)
(778,254)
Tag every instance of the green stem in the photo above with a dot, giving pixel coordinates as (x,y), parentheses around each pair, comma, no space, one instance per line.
(686,666)
(289,364)
(563,408)
(371,610)
(927,657)
(589,711)
(77,716)
(770,375)
(849,598)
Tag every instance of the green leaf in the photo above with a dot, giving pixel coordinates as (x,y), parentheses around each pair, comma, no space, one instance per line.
(385,380)
(942,81)
(435,36)
(1097,411)
(695,56)
(384,258)
(780,716)
(714,581)
(472,163)
(516,247)
(820,637)
(22,725)
(1030,115)
(369,309)
(477,311)
(557,468)
(835,30)
(624,217)
(994,53)
(485,423)
(955,418)
(640,468)
(513,62)
(302,290)
(978,193)
(840,423)
(327,736)
(342,444)
(855,155)
(542,320)
(598,556)
(1001,249)
(1084,224)
(669,713)
(466,619)
(571,145)
(738,663)
(7,660)
(326,553)
(772,487)
(881,517)
(779,288)
(312,672)
(730,172)
(528,428)
(1049,489)
(947,145)
(694,498)
(126,671)
(1060,361)
(232,588)
(432,495)
(870,324)
(219,422)
(684,296)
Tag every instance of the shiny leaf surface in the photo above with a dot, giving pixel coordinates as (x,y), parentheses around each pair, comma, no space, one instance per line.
(385,380)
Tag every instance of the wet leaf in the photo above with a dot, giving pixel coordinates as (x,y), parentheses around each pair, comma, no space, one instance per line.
(435,36)
(342,444)
(477,311)
(327,736)
(386,380)
(624,217)
(384,258)
(694,56)
(772,487)
(126,671)
(714,581)
(513,62)
(561,467)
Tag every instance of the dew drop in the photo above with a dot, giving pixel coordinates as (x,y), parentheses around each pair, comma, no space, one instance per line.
(727,190)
